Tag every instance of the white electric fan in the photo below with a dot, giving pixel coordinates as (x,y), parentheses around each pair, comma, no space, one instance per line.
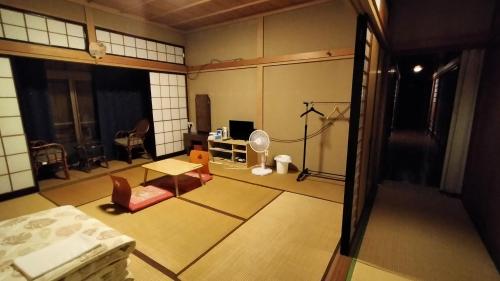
(259,141)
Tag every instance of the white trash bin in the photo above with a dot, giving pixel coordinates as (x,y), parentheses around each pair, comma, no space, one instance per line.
(282,162)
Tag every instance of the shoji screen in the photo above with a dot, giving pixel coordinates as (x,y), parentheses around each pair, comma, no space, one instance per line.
(130,46)
(38,29)
(169,105)
(15,166)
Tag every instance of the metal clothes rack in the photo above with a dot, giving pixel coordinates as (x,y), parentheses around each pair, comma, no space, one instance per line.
(306,171)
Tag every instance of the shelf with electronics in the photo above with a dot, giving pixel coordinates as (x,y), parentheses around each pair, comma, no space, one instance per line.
(234,152)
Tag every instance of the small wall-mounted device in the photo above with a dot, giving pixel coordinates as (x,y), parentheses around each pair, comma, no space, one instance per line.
(97,49)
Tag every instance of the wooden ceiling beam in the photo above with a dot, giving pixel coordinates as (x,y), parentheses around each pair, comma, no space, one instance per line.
(132,7)
(221,12)
(123,14)
(259,15)
(182,8)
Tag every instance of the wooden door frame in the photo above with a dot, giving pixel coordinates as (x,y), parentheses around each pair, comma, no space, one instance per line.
(357,85)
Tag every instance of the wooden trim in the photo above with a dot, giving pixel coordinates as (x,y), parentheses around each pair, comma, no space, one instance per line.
(377,18)
(22,49)
(445,68)
(284,59)
(89,18)
(259,113)
(278,11)
(219,12)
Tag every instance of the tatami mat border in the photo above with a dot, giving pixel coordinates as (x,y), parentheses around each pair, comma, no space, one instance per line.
(223,238)
(275,188)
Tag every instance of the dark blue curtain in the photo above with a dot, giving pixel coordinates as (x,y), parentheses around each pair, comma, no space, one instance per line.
(31,86)
(123,98)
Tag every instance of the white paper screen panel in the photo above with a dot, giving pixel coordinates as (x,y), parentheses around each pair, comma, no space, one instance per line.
(34,28)
(15,165)
(130,46)
(169,106)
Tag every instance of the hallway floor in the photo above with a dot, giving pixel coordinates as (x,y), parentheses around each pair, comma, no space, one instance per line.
(419,233)
(414,157)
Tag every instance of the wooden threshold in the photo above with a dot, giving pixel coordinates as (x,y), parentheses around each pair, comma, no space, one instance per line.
(23,49)
(333,54)
(339,269)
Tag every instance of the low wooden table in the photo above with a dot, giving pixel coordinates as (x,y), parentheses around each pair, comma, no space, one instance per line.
(172,167)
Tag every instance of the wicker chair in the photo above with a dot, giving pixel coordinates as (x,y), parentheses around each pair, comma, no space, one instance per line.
(45,154)
(133,139)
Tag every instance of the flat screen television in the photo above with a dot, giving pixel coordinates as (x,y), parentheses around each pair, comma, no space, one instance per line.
(240,130)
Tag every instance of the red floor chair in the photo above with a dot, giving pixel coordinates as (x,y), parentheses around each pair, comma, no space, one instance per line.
(200,157)
(137,198)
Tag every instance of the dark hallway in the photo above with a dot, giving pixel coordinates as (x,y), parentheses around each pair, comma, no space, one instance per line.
(413,157)
(422,113)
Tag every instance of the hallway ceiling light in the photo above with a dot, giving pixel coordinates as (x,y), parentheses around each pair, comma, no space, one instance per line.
(417,68)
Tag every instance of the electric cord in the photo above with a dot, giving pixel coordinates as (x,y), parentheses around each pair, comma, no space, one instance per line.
(196,73)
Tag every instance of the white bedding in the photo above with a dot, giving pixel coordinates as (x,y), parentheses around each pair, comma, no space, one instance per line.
(27,234)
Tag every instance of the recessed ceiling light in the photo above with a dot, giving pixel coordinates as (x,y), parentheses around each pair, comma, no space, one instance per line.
(417,68)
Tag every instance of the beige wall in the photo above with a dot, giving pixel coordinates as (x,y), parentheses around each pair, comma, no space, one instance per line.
(238,94)
(232,95)
(326,26)
(137,27)
(238,40)
(75,12)
(285,90)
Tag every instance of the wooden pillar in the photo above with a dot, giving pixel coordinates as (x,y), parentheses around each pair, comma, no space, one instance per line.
(89,18)
(259,118)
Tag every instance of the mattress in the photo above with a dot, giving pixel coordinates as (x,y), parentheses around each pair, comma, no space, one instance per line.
(26,234)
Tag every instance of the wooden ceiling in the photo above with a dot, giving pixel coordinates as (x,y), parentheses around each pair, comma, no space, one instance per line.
(193,14)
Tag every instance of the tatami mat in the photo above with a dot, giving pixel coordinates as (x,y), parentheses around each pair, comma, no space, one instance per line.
(293,238)
(82,192)
(231,196)
(418,232)
(78,175)
(24,205)
(173,233)
(141,271)
(365,272)
(316,187)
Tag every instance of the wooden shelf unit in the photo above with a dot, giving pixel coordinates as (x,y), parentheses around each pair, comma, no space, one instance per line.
(228,151)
